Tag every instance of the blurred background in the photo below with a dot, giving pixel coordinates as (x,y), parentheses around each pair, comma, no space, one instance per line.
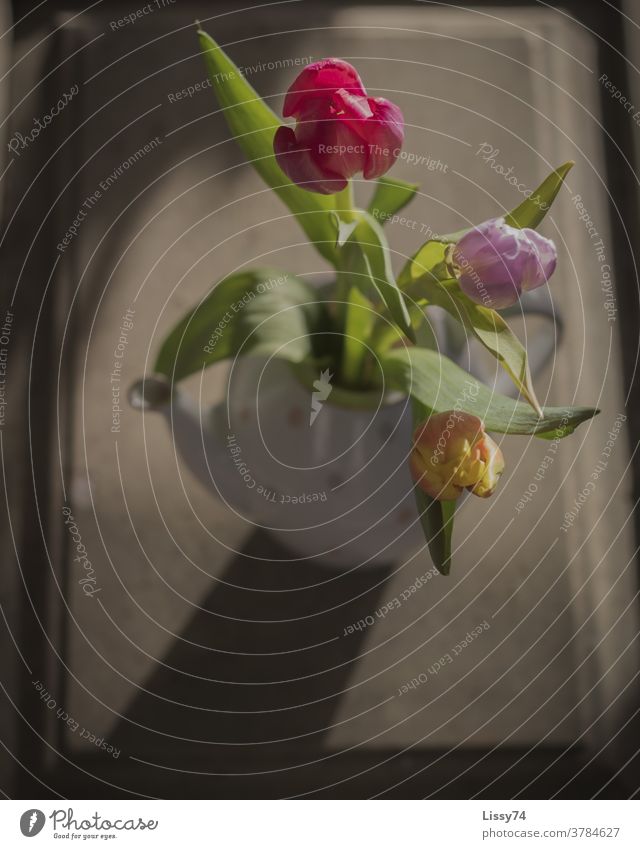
(212,665)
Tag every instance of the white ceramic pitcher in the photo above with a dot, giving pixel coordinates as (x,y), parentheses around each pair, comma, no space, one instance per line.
(325,471)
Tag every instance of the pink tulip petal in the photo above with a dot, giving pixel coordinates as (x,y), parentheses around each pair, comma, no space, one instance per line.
(318,78)
(300,166)
(542,262)
(350,107)
(384,134)
(498,262)
(340,149)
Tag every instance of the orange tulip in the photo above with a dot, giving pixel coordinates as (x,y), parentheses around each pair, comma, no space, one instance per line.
(452,452)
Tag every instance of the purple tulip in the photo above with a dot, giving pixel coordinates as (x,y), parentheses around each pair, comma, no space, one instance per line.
(497,263)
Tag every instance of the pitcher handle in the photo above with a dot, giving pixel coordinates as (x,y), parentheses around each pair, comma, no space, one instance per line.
(540,347)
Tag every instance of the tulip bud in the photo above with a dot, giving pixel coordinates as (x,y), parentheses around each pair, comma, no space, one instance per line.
(496,263)
(452,452)
(340,131)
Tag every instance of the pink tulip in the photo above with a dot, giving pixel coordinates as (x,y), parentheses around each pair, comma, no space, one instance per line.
(340,131)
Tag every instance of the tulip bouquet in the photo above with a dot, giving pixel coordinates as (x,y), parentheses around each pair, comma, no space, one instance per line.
(372,330)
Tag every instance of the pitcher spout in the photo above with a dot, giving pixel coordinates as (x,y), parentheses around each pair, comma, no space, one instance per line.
(151,393)
(191,427)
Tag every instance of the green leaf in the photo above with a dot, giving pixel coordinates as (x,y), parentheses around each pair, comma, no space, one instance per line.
(390,197)
(532,210)
(440,385)
(425,281)
(386,334)
(342,229)
(425,334)
(254,125)
(429,263)
(492,331)
(490,328)
(365,257)
(261,312)
(436,518)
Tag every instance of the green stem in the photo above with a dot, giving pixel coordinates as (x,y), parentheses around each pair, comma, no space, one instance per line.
(345,206)
(347,213)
